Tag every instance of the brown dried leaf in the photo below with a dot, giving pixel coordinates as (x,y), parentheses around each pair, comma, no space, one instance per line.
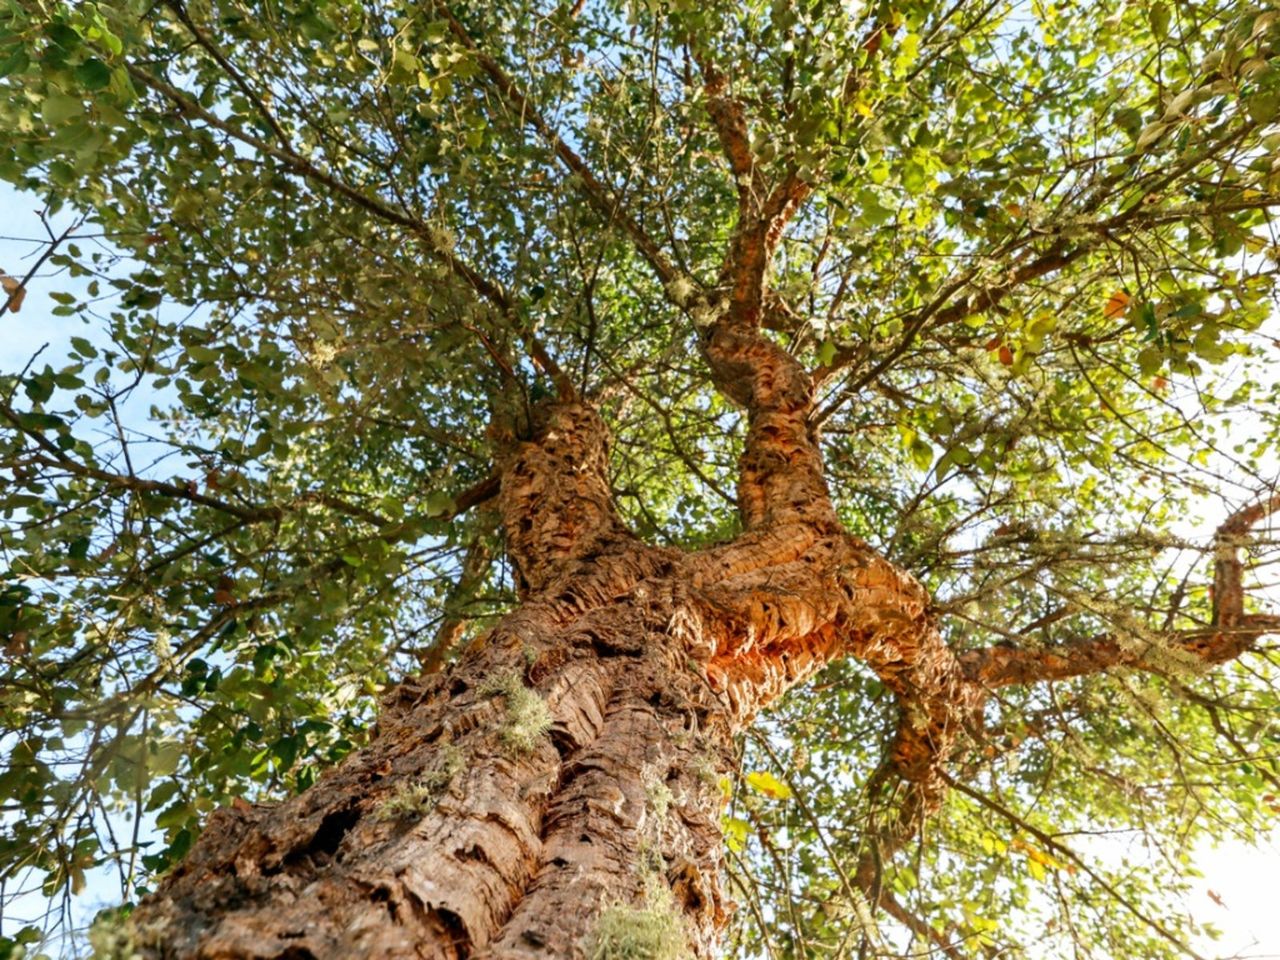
(16,291)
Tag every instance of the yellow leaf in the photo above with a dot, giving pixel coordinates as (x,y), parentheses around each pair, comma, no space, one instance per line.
(766,783)
(736,832)
(1040,858)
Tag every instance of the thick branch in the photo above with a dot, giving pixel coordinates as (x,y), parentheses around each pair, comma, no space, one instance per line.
(1232,632)
(730,119)
(555,501)
(780,470)
(475,568)
(790,599)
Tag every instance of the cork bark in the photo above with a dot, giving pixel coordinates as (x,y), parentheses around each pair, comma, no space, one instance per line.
(567,767)
(559,783)
(562,774)
(562,777)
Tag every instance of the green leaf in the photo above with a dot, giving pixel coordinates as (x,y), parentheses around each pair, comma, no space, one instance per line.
(1159,14)
(93,74)
(1150,134)
(921,454)
(1263,107)
(16,62)
(438,503)
(84,348)
(58,108)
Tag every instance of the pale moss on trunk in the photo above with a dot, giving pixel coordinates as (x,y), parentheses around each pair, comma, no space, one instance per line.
(114,935)
(417,799)
(527,719)
(653,932)
(660,798)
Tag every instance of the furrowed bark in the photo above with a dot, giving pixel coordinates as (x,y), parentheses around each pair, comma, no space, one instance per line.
(558,785)
(565,767)
(805,591)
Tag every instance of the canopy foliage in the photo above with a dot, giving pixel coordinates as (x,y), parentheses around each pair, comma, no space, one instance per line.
(314,243)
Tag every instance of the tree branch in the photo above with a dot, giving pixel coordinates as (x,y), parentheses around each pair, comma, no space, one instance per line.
(1066,853)
(300,165)
(1231,633)
(729,117)
(598,194)
(14,294)
(473,572)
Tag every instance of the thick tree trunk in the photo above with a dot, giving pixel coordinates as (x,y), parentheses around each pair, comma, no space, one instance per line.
(475,824)
(556,792)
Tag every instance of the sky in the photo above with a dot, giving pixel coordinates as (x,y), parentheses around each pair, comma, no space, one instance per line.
(1240,890)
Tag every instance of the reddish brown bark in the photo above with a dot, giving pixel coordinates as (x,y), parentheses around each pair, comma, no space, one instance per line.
(519,848)
(1232,631)
(647,660)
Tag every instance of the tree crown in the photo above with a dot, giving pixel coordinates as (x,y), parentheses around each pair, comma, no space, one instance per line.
(332,255)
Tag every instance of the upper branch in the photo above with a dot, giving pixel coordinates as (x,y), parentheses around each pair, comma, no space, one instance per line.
(597,193)
(780,471)
(730,119)
(293,161)
(1231,633)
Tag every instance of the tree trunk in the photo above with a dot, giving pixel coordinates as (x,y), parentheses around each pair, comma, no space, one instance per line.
(556,793)
(567,766)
